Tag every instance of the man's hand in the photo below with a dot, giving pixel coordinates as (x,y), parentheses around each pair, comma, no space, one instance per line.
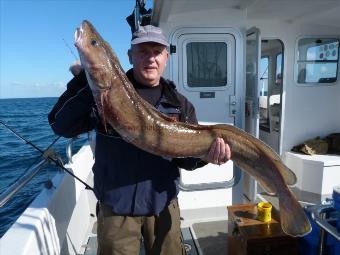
(76,68)
(219,152)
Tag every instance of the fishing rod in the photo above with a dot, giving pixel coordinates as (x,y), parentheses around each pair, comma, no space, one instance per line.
(45,153)
(68,46)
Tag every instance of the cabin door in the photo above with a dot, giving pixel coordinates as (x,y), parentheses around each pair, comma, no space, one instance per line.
(271,78)
(203,68)
(252,116)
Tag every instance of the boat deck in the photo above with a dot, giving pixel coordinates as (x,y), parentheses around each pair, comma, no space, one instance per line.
(204,237)
(211,238)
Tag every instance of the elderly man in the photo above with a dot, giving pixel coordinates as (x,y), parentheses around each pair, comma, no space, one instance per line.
(137,191)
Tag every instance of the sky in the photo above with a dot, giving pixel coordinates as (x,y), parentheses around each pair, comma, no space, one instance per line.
(34,58)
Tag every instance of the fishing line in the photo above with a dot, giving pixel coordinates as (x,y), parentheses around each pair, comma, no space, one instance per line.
(262,75)
(45,154)
(68,46)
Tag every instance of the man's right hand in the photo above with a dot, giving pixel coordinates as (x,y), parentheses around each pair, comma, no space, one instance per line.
(76,68)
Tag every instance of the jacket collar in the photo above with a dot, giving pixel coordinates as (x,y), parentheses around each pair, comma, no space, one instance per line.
(169,96)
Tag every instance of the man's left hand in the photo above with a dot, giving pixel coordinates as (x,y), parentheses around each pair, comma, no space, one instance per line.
(76,68)
(219,152)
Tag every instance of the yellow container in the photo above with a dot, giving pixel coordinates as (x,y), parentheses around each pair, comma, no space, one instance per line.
(264,211)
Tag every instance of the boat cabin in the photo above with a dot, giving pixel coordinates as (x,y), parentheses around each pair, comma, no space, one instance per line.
(269,67)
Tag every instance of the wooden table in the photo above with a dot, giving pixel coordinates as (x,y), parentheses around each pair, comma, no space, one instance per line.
(249,236)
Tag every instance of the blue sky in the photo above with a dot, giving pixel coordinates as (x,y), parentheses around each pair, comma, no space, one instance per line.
(34,59)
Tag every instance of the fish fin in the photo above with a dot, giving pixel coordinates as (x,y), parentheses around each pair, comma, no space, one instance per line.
(269,190)
(164,116)
(102,102)
(294,221)
(268,187)
(287,174)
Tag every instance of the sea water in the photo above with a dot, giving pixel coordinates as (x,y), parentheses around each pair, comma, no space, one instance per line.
(28,117)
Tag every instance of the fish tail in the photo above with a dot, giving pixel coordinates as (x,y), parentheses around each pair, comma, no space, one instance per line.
(294,221)
(287,174)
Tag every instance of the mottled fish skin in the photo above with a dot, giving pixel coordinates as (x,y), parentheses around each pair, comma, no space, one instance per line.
(141,124)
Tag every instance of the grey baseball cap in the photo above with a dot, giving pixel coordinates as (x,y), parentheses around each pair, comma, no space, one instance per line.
(149,33)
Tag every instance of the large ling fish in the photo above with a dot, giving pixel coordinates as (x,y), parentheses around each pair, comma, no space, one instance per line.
(141,124)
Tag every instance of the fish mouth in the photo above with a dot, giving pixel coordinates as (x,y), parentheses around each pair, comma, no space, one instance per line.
(78,36)
(80,33)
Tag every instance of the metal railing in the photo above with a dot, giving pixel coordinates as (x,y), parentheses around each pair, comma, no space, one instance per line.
(48,156)
(213,185)
(22,181)
(90,137)
(318,212)
(69,149)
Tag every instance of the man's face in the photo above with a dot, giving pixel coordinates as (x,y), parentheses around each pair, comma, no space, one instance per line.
(148,60)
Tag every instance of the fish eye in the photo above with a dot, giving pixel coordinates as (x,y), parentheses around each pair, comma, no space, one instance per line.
(94,42)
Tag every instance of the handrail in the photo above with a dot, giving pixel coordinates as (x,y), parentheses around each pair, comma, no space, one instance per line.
(91,138)
(213,185)
(316,213)
(69,150)
(24,179)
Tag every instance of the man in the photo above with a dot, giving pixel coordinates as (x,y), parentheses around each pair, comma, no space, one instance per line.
(137,191)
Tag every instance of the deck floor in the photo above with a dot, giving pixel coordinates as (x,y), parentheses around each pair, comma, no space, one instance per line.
(210,236)
(206,238)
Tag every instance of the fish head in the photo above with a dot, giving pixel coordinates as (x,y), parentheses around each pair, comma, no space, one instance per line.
(94,57)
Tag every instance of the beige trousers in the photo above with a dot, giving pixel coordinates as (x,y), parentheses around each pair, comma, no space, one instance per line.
(121,235)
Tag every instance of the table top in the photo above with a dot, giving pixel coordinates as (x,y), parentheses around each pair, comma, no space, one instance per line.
(245,218)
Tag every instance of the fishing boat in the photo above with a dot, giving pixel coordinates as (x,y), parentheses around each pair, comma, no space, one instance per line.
(268,67)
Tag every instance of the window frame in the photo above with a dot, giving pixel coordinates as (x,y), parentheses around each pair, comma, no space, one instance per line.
(226,64)
(224,38)
(268,66)
(297,61)
(276,56)
(265,126)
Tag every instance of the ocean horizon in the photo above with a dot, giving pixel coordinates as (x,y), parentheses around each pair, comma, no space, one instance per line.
(6,98)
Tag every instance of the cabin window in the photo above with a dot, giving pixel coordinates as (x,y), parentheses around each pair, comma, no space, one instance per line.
(264,120)
(264,76)
(206,64)
(278,73)
(317,60)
